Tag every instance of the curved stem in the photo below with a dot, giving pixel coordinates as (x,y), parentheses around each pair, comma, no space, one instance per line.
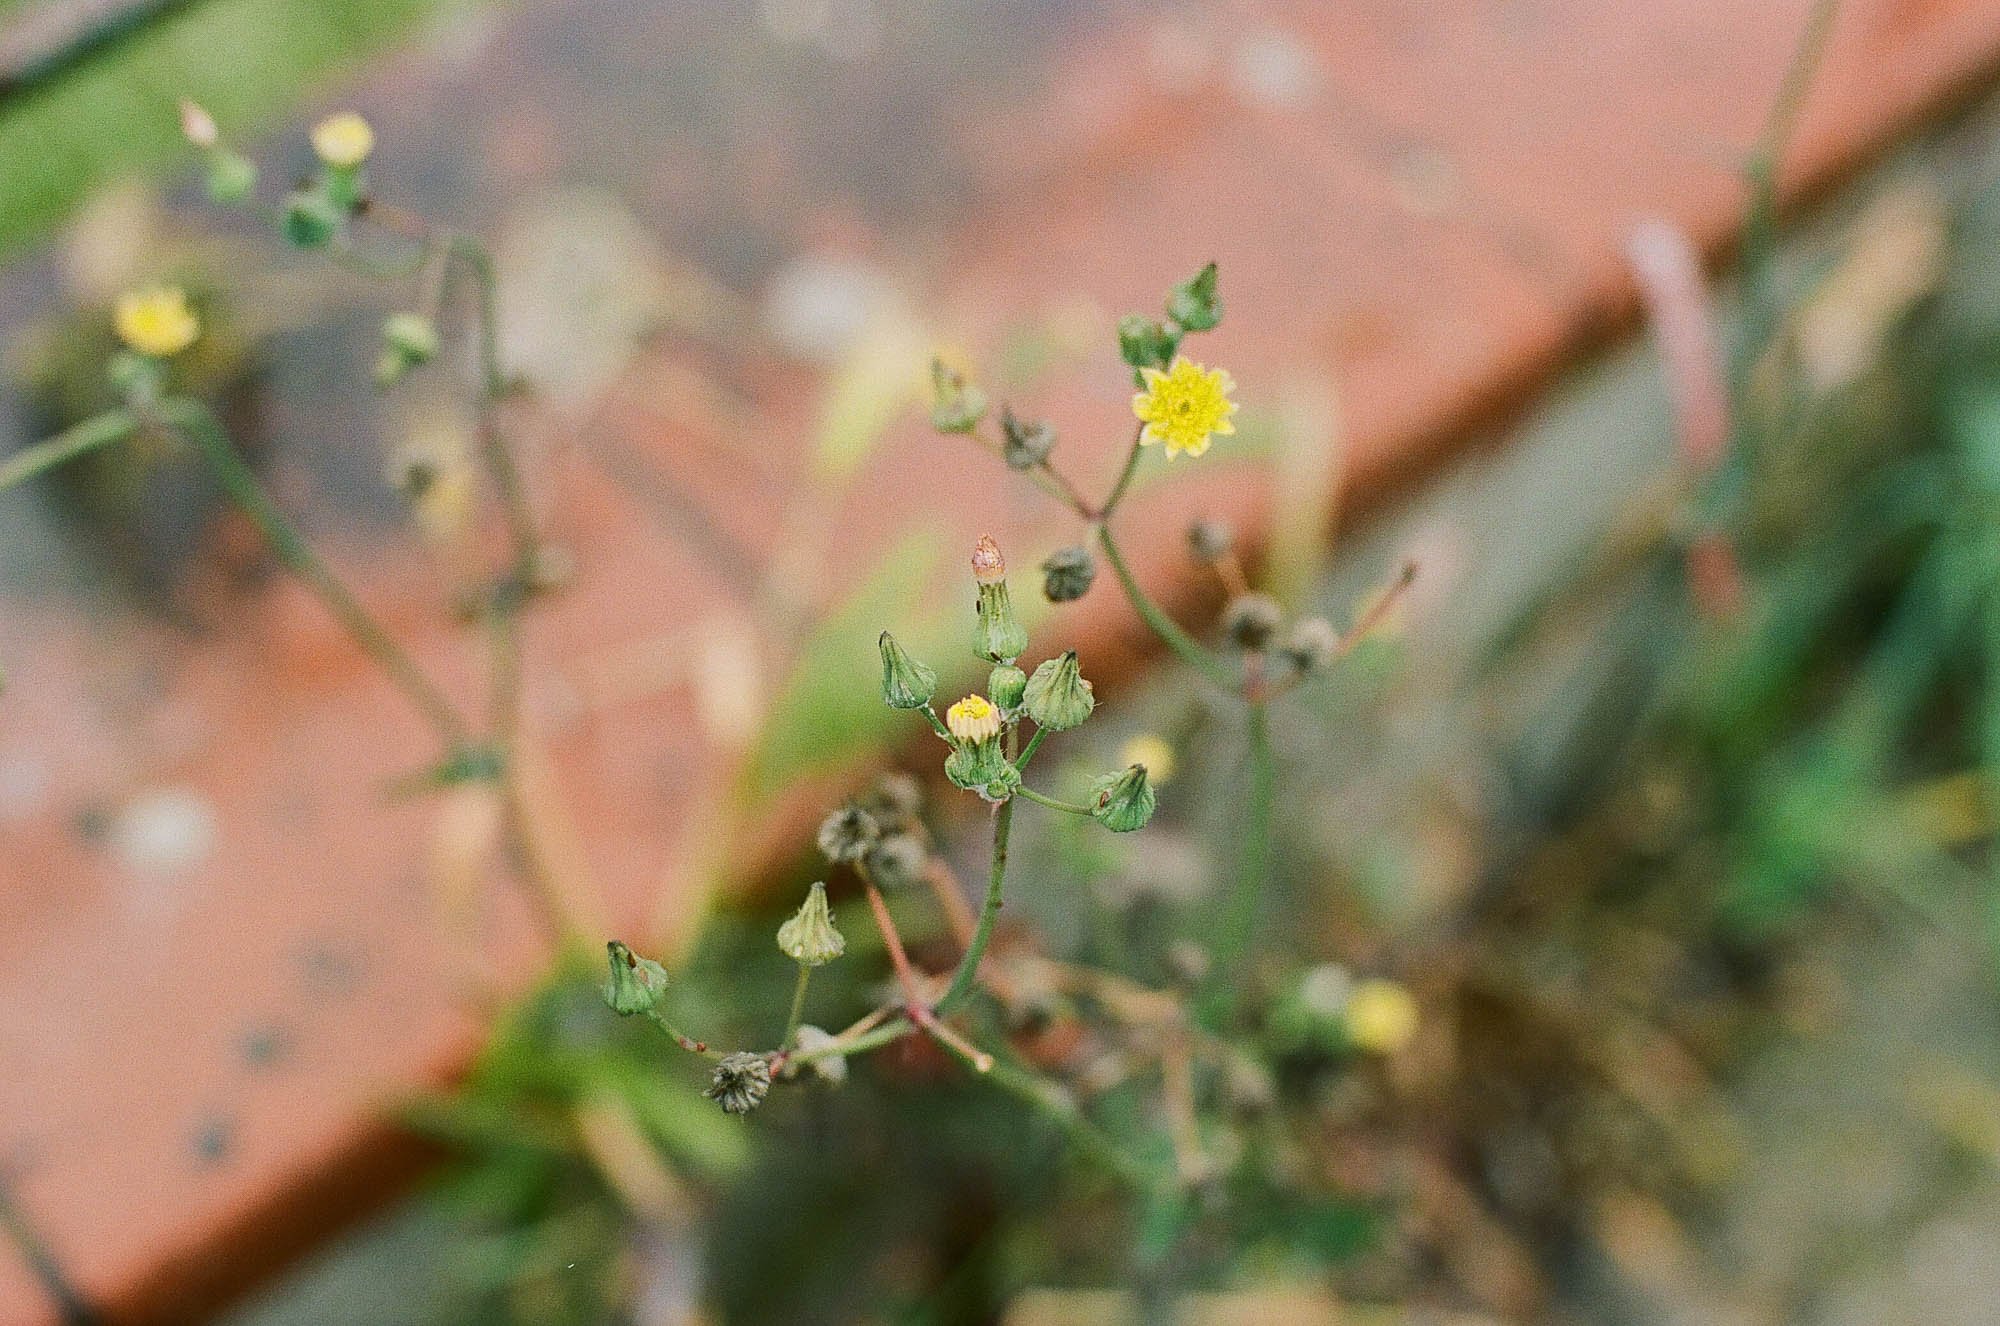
(1051,802)
(1239,923)
(98,431)
(1125,475)
(1176,639)
(194,422)
(989,912)
(798,1007)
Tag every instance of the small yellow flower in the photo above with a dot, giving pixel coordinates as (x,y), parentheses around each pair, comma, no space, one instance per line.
(973,719)
(343,140)
(1184,407)
(1381,1016)
(1151,751)
(156,320)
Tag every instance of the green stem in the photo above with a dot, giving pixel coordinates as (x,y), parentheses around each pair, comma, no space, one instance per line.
(1239,923)
(989,913)
(193,421)
(1183,644)
(1051,802)
(937,725)
(1124,476)
(1034,744)
(798,1006)
(681,1038)
(98,431)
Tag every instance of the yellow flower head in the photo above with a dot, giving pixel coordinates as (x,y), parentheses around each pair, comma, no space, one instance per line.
(1151,751)
(1381,1016)
(973,719)
(156,320)
(343,140)
(1184,407)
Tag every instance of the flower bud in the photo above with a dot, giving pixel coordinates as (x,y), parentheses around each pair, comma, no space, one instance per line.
(343,140)
(897,860)
(848,833)
(1144,343)
(809,937)
(957,406)
(741,1082)
(310,220)
(973,721)
(999,636)
(1194,303)
(976,760)
(1312,644)
(1058,697)
(1250,620)
(906,683)
(231,176)
(1067,574)
(1122,802)
(1210,541)
(1025,444)
(636,984)
(1006,684)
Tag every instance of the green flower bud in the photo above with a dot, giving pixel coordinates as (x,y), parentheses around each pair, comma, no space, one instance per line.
(636,984)
(1025,444)
(957,406)
(741,1082)
(1250,620)
(231,177)
(809,937)
(999,636)
(898,860)
(412,337)
(1210,541)
(1058,697)
(848,833)
(974,766)
(1194,303)
(906,683)
(1144,343)
(1005,686)
(344,188)
(311,220)
(1122,802)
(1068,573)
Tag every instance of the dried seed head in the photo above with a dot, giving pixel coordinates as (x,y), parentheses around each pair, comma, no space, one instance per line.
(1251,620)
(848,833)
(741,1082)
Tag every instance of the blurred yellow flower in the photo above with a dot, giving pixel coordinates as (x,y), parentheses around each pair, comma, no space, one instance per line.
(156,320)
(973,719)
(343,140)
(1381,1016)
(1151,751)
(1184,407)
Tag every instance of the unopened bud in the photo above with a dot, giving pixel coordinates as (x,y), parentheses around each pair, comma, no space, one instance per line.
(999,636)
(1025,443)
(809,937)
(1194,303)
(848,833)
(636,984)
(1122,802)
(1006,684)
(1144,343)
(957,405)
(1250,620)
(906,683)
(1058,697)
(310,220)
(740,1083)
(976,762)
(1068,573)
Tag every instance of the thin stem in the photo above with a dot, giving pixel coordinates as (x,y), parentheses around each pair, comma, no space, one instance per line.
(989,913)
(1034,744)
(798,1012)
(1125,475)
(937,725)
(194,422)
(1072,807)
(1239,922)
(1183,644)
(98,431)
(681,1038)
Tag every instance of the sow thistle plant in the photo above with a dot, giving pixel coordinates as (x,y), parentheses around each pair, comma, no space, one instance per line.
(991,738)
